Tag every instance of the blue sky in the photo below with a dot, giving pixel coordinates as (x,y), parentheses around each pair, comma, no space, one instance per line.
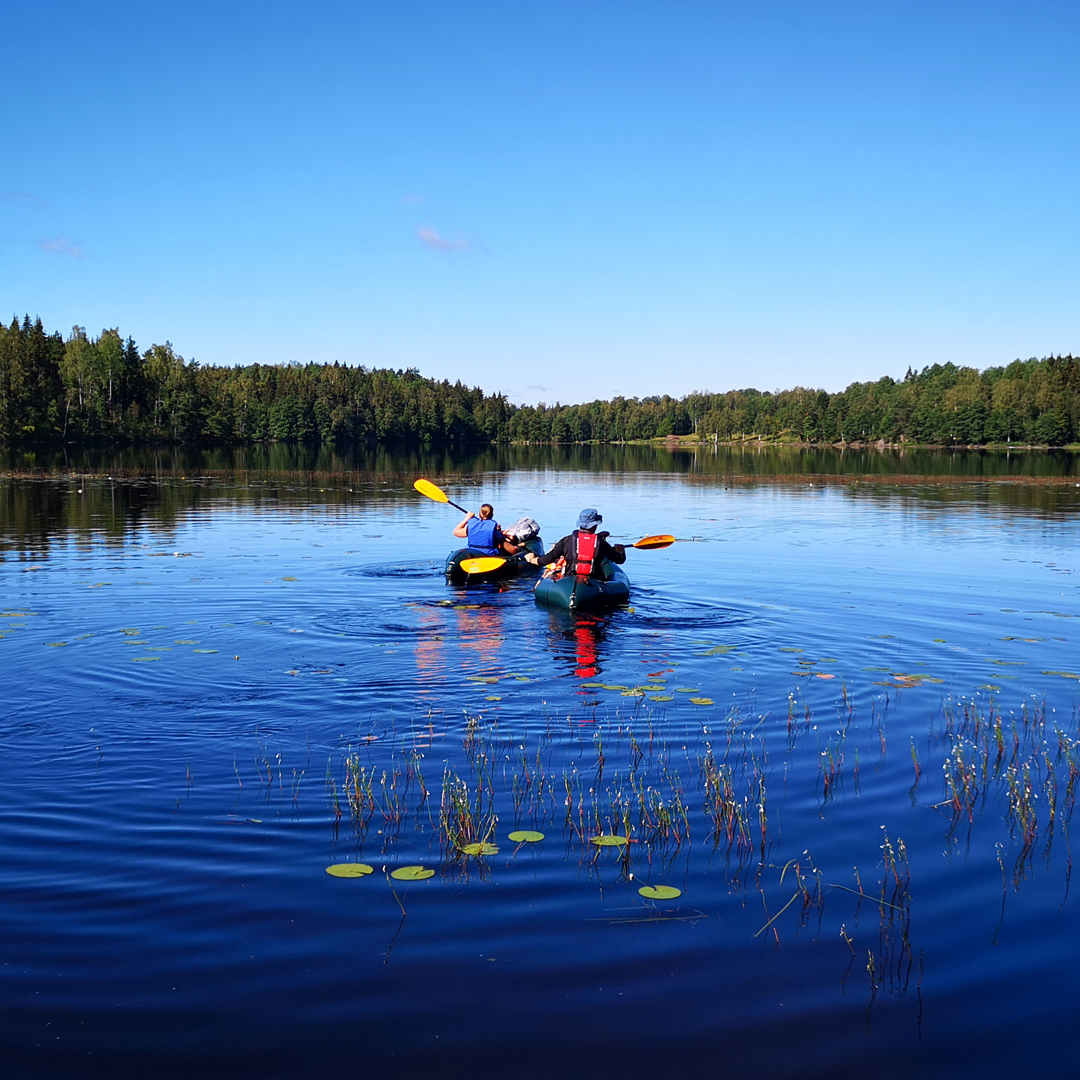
(558,201)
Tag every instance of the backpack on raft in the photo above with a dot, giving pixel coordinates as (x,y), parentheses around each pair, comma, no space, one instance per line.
(523,530)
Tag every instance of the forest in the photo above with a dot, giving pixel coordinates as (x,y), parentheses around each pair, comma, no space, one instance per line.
(84,389)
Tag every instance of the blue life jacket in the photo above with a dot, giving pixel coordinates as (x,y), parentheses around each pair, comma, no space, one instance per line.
(483,536)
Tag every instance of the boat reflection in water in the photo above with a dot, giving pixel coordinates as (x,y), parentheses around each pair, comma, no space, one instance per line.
(579,642)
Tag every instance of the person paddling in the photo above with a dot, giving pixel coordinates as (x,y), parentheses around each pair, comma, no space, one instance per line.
(584,549)
(483,533)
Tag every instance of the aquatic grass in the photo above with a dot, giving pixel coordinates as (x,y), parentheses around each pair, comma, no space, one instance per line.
(466,817)
(1031,767)
(619,776)
(812,896)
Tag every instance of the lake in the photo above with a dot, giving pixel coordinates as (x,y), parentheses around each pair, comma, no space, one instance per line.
(835,736)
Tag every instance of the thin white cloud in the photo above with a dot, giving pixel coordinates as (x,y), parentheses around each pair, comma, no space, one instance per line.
(21,197)
(61,246)
(431,239)
(542,389)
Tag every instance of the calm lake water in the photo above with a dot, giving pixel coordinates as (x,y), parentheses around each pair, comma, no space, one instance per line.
(841,717)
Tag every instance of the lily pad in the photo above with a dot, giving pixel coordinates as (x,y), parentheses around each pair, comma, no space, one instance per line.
(525,836)
(659,892)
(144,659)
(288,579)
(204,650)
(661,697)
(701,701)
(609,841)
(411,873)
(479,849)
(349,869)
(687,690)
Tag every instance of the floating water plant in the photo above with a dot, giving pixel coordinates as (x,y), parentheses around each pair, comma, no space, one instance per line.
(349,870)
(525,836)
(608,841)
(411,873)
(480,849)
(660,892)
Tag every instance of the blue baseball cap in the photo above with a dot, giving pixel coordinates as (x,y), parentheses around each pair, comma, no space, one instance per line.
(589,519)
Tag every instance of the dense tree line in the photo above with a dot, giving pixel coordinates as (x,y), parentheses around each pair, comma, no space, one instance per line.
(105,387)
(1029,401)
(90,388)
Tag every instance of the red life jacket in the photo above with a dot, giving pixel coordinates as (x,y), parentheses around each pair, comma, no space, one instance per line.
(586,553)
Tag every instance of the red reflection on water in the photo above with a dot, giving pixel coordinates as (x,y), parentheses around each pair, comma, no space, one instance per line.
(587,636)
(430,660)
(481,632)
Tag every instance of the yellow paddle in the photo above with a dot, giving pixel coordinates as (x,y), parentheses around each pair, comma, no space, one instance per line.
(481,565)
(426,487)
(652,543)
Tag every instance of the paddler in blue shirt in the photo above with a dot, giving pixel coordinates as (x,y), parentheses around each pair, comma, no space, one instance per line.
(483,533)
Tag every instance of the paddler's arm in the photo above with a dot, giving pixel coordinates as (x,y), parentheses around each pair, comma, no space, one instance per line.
(557,552)
(615,552)
(503,541)
(462,530)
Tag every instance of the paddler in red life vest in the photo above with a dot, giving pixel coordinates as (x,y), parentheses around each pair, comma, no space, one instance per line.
(484,534)
(584,549)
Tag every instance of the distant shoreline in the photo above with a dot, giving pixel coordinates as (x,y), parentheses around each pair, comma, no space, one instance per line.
(81,388)
(668,442)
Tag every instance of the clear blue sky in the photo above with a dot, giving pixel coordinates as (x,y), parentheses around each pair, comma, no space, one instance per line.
(558,200)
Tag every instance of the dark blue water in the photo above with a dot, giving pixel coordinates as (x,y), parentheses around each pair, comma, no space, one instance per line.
(194,672)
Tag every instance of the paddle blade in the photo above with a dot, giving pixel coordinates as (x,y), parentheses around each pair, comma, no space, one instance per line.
(481,566)
(426,487)
(651,543)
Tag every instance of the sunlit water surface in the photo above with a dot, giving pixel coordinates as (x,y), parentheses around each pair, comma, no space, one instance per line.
(185,679)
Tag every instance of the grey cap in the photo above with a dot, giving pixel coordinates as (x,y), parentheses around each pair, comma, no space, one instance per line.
(589,519)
